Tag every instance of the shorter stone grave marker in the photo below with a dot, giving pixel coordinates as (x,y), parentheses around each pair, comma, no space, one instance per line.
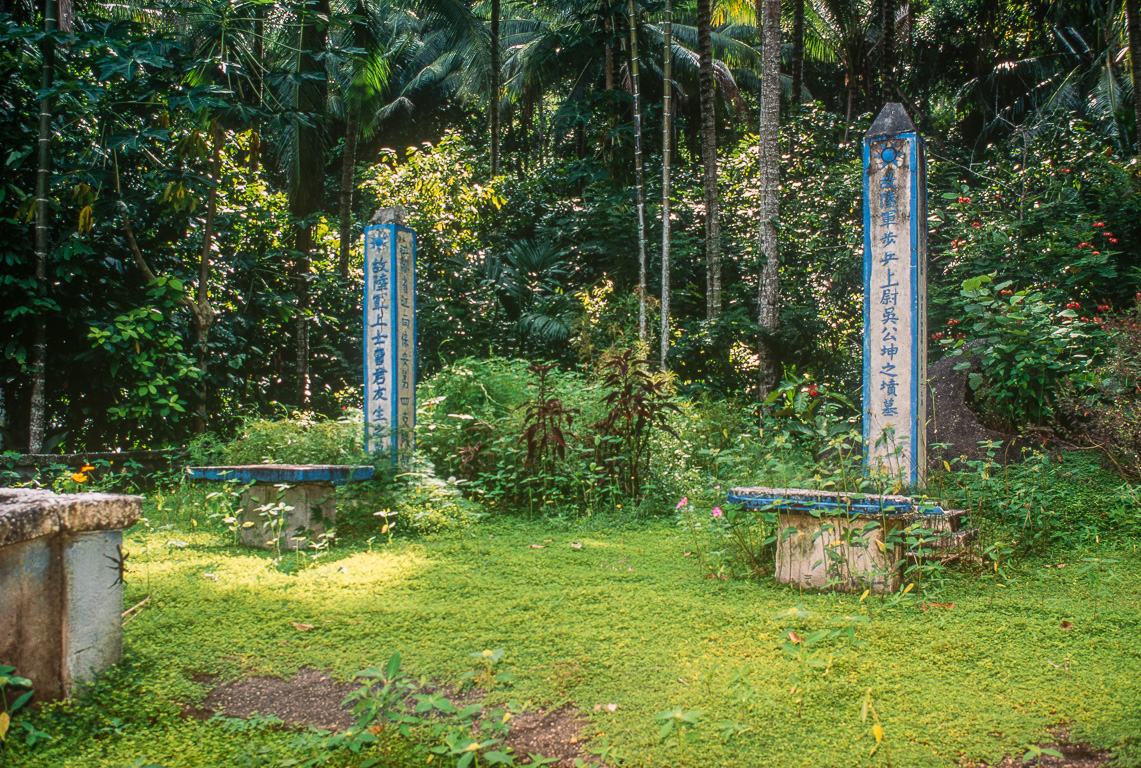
(61,586)
(305,493)
(845,541)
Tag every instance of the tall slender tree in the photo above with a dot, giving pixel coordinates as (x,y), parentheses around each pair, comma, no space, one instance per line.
(639,181)
(493,103)
(667,115)
(797,49)
(887,51)
(708,98)
(204,316)
(37,411)
(306,166)
(768,17)
(1133,30)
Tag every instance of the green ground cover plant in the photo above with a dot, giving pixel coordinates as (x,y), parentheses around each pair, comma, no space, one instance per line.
(970,669)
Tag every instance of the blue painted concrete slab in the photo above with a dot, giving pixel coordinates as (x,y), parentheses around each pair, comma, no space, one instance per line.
(874,505)
(331,474)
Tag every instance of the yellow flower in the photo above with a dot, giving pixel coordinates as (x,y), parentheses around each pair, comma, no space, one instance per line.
(86,468)
(79,477)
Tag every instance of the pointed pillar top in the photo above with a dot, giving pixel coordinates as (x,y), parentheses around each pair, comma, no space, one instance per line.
(892,120)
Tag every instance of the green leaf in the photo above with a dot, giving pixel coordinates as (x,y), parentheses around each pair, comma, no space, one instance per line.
(24,699)
(393,667)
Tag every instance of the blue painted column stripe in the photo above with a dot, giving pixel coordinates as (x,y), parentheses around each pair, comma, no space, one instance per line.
(866,417)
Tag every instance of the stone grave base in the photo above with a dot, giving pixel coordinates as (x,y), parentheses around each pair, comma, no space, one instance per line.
(290,505)
(303,513)
(830,540)
(842,552)
(61,596)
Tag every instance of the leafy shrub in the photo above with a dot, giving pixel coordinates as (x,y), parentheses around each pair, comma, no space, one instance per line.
(305,438)
(1027,348)
(510,435)
(1107,414)
(636,406)
(415,501)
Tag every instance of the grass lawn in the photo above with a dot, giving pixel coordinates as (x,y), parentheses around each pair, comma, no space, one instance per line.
(627,619)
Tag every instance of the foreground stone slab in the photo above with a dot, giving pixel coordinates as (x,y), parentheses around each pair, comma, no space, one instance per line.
(282,500)
(61,591)
(844,541)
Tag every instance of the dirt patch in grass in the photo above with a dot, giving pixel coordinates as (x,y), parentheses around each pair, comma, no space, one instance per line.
(1074,755)
(550,734)
(313,697)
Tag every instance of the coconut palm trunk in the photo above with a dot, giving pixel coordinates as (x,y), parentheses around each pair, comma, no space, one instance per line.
(307,179)
(887,52)
(667,140)
(1133,26)
(493,106)
(797,49)
(639,180)
(768,15)
(37,410)
(709,159)
(348,169)
(204,316)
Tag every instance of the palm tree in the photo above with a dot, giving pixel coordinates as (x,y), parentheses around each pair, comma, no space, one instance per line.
(639,185)
(393,64)
(768,17)
(494,88)
(840,31)
(797,49)
(1133,29)
(528,282)
(1081,79)
(707,96)
(887,51)
(38,408)
(304,161)
(667,114)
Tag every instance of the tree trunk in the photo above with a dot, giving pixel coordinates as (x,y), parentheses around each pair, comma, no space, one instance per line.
(851,87)
(259,87)
(542,130)
(308,183)
(887,52)
(348,168)
(709,160)
(608,83)
(493,106)
(768,13)
(204,317)
(38,409)
(797,50)
(667,141)
(1133,25)
(639,181)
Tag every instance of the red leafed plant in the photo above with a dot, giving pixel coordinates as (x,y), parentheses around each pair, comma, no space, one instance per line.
(546,423)
(637,404)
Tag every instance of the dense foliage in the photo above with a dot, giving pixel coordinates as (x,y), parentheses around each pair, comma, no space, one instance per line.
(211,168)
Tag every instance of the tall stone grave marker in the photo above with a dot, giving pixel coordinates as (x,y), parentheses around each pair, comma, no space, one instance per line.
(895,298)
(389,334)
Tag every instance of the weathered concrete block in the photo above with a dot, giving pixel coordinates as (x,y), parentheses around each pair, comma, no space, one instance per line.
(843,552)
(60,593)
(290,503)
(296,514)
(847,541)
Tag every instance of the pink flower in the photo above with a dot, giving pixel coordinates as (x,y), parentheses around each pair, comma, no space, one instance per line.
(717,511)
(682,503)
